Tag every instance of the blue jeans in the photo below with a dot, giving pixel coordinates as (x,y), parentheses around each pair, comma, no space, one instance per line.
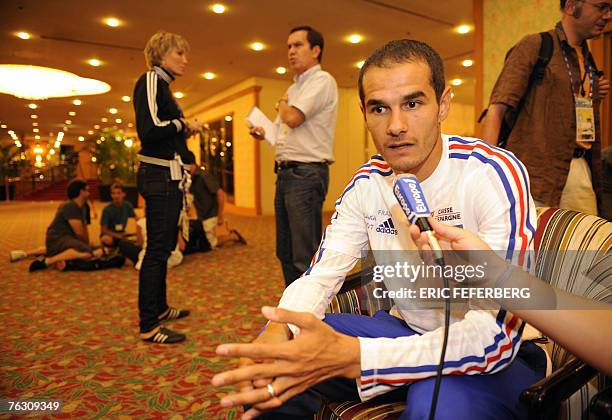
(298,204)
(163,204)
(461,397)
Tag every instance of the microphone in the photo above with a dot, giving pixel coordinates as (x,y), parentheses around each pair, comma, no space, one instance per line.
(411,199)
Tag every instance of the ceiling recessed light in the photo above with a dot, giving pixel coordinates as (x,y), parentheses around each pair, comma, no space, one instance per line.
(94,62)
(96,127)
(228,118)
(81,138)
(257,46)
(3,126)
(23,35)
(72,113)
(281,70)
(65,128)
(463,29)
(209,75)
(90,132)
(360,64)
(456,82)
(179,95)
(126,98)
(467,63)
(37,137)
(218,8)
(118,120)
(68,122)
(35,124)
(33,116)
(35,130)
(113,110)
(32,106)
(104,119)
(77,102)
(130,125)
(112,22)
(354,38)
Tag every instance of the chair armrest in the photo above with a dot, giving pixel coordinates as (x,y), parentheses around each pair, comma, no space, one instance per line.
(356,280)
(544,398)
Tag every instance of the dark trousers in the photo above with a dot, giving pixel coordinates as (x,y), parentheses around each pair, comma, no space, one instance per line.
(163,204)
(128,249)
(298,204)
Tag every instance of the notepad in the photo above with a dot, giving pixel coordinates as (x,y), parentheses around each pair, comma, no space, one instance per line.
(256,118)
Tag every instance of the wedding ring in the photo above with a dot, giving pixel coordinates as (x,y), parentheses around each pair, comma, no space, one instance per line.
(271,391)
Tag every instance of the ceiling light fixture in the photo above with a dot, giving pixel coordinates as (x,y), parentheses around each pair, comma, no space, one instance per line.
(104,119)
(81,138)
(35,83)
(35,130)
(456,82)
(360,64)
(90,132)
(3,126)
(126,98)
(23,35)
(72,113)
(37,137)
(179,95)
(94,62)
(281,70)
(228,118)
(112,22)
(463,29)
(33,116)
(96,127)
(77,102)
(68,122)
(467,63)
(35,124)
(113,110)
(32,106)
(209,75)
(354,38)
(257,46)
(218,8)
(118,120)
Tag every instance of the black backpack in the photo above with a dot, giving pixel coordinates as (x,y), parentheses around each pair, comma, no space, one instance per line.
(537,75)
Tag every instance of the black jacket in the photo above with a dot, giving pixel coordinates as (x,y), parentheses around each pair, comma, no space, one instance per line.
(159,119)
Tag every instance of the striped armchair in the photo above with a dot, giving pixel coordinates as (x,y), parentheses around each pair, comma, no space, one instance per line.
(584,273)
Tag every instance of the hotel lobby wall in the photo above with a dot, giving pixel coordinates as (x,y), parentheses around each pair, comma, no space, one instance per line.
(504,24)
(236,101)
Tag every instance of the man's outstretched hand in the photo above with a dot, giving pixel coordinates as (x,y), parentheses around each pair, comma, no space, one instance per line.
(316,354)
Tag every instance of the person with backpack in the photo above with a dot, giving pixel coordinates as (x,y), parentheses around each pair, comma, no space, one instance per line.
(545,107)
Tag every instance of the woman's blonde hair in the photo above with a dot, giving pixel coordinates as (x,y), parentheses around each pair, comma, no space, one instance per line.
(160,44)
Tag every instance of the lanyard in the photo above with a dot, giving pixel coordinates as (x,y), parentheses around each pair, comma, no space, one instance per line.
(587,69)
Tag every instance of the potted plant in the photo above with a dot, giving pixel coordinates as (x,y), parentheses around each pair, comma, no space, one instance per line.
(115,156)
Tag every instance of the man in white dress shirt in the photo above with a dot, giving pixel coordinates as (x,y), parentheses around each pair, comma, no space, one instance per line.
(304,150)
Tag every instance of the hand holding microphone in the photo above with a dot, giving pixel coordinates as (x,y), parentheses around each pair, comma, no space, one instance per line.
(411,199)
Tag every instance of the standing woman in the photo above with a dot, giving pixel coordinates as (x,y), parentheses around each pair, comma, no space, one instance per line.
(162,130)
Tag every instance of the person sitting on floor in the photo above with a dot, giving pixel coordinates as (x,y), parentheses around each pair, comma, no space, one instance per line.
(114,220)
(209,200)
(67,237)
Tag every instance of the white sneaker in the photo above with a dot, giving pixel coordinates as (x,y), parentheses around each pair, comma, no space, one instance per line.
(17,255)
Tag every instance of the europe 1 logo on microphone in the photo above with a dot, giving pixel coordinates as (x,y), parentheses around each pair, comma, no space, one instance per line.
(411,198)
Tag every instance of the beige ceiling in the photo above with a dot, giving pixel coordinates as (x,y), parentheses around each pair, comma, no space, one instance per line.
(67,33)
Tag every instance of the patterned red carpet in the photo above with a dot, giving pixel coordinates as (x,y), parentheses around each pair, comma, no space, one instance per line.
(72,336)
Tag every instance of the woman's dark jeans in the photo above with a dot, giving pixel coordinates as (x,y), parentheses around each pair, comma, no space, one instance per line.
(163,204)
